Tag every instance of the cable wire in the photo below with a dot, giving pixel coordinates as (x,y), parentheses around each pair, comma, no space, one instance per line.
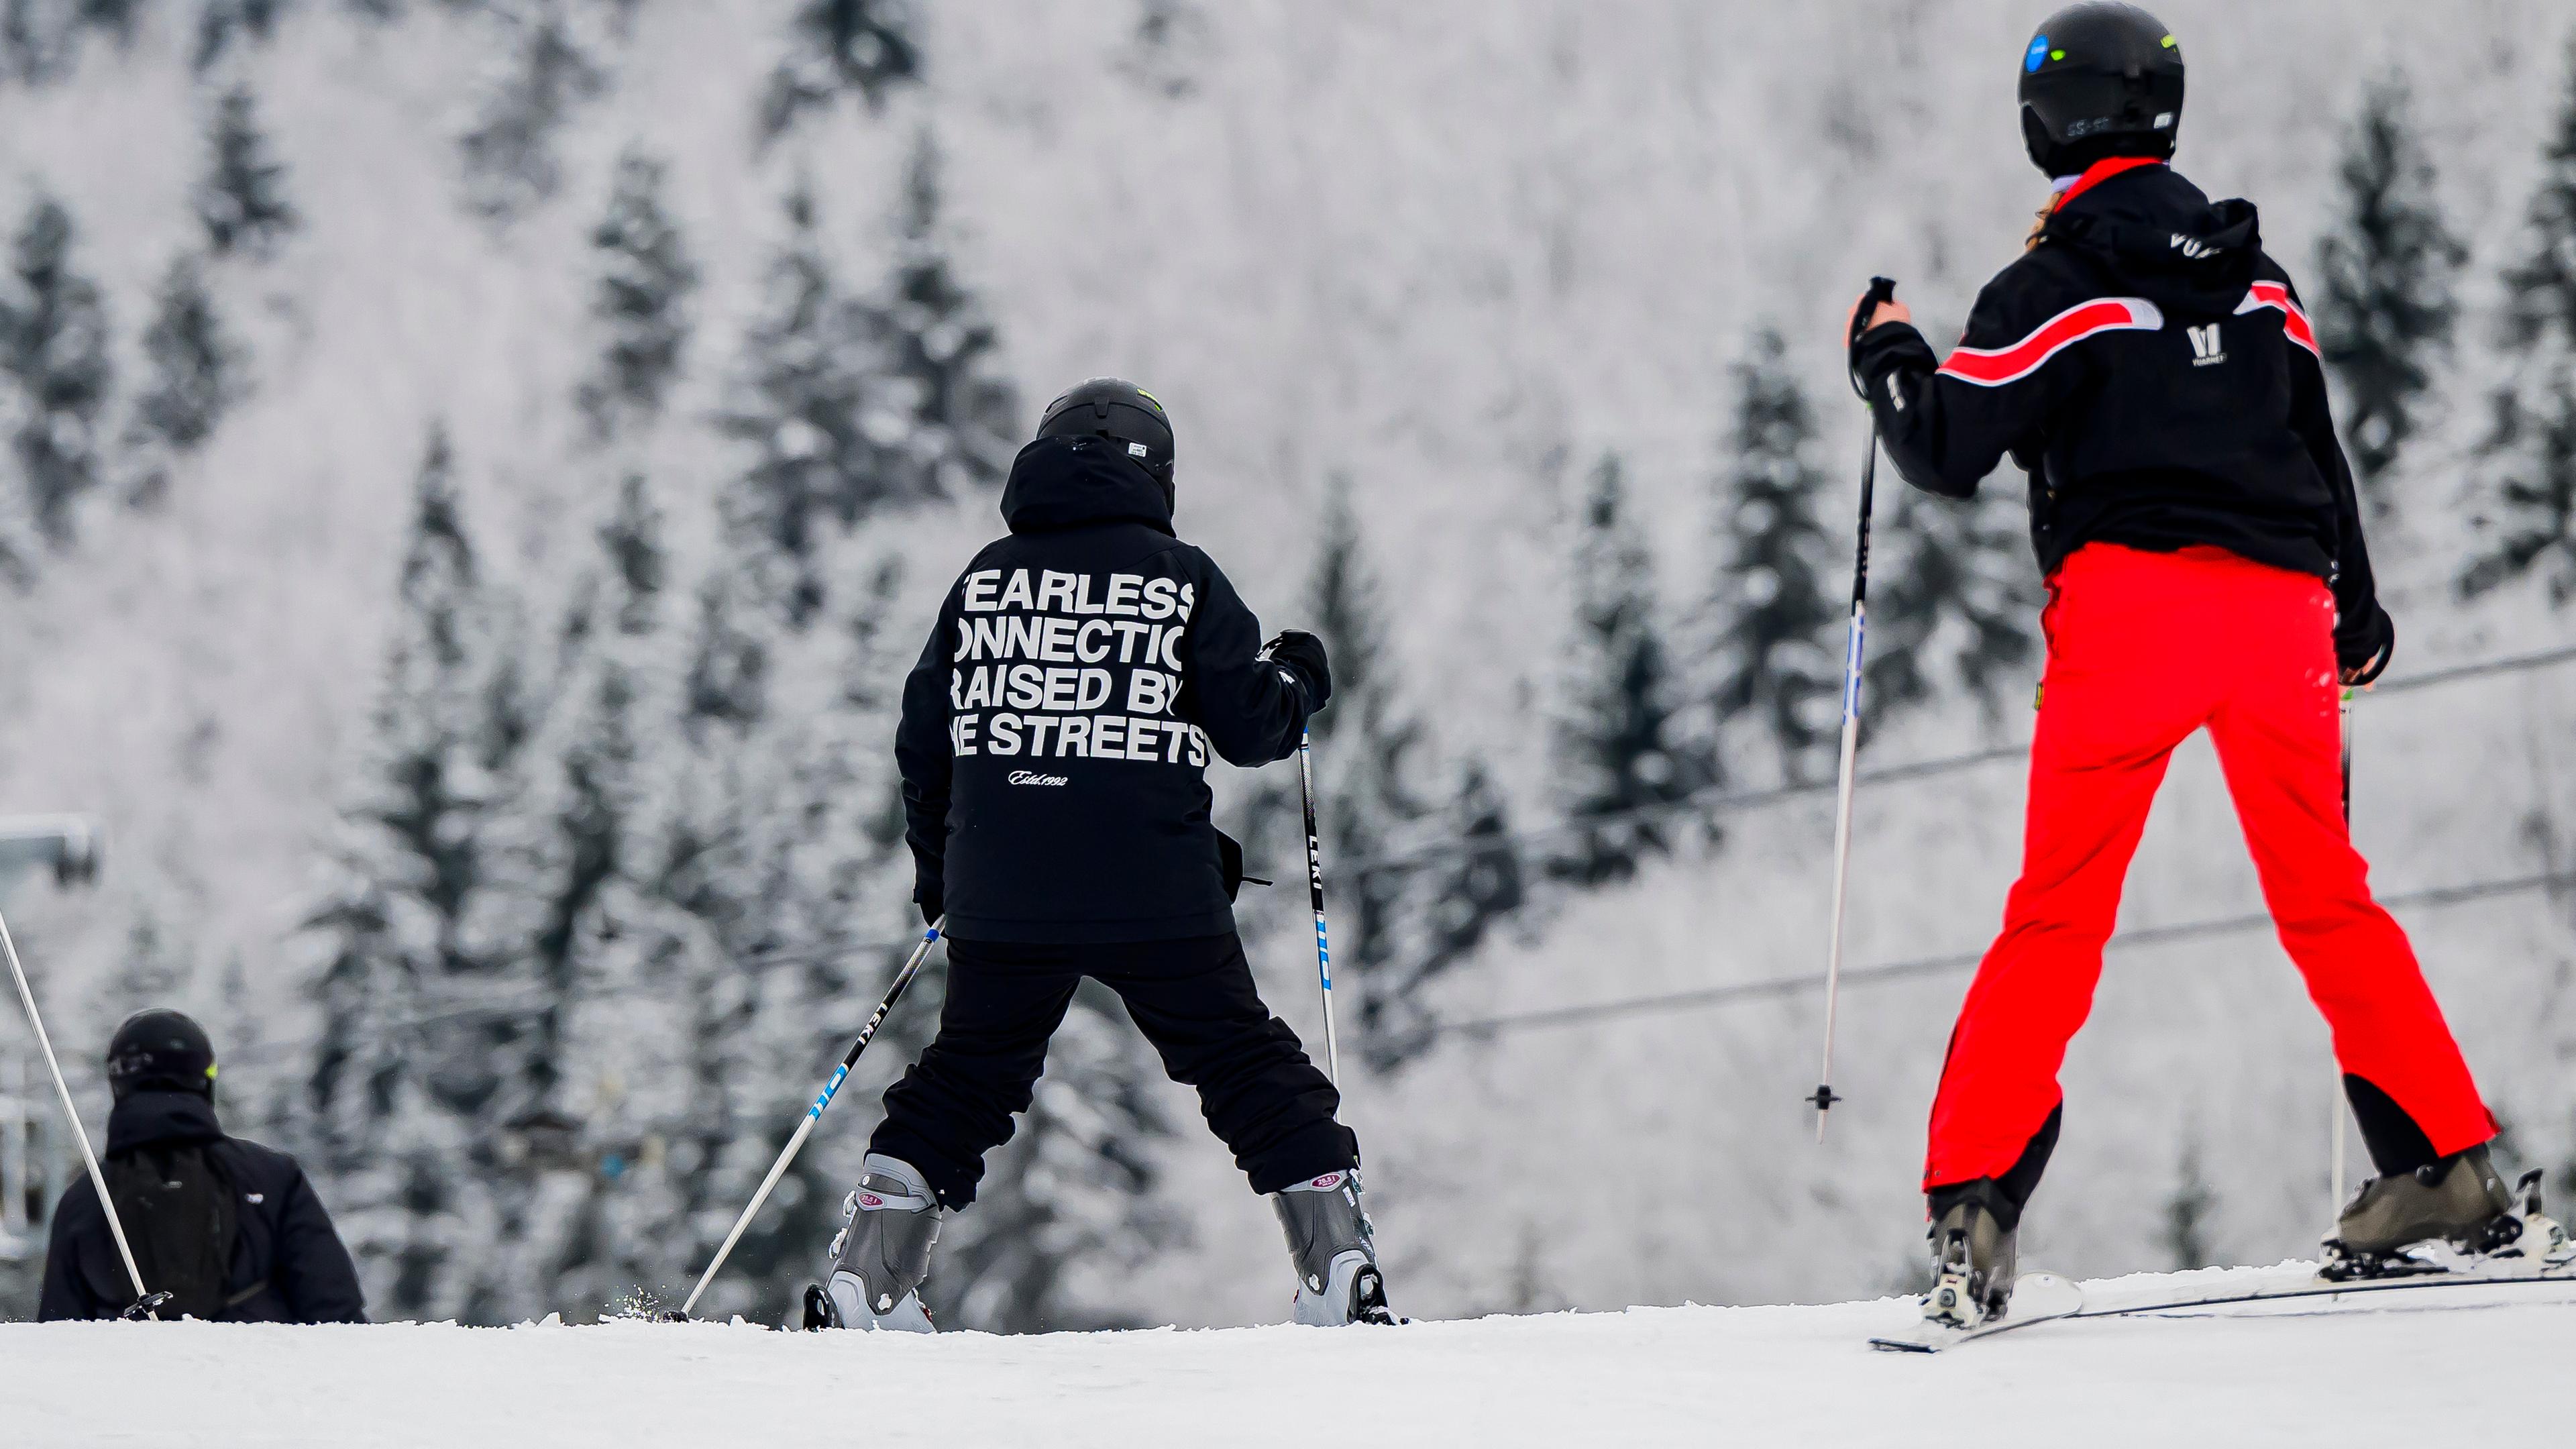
(1713,802)
(1709,996)
(1709,803)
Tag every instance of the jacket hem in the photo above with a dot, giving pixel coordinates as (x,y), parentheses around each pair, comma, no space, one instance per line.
(1219,922)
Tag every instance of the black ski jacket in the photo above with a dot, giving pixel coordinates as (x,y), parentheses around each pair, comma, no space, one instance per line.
(1056,731)
(2153,372)
(288,1264)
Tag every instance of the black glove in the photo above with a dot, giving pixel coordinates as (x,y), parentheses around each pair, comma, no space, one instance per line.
(1304,653)
(930,892)
(2362,656)
(1882,290)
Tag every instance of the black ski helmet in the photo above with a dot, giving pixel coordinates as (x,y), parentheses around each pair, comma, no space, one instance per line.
(1112,408)
(160,1050)
(2100,80)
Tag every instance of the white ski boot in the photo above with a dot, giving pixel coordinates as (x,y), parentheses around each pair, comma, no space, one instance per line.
(1974,1257)
(2441,1217)
(882,1255)
(1335,1252)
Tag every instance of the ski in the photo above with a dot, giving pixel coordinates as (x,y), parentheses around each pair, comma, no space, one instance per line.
(2287,1286)
(2036,1298)
(2272,1288)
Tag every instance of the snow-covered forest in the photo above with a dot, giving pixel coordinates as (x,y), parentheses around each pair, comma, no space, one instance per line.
(477,469)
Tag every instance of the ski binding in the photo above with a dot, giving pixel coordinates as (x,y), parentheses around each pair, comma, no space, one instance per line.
(2036,1298)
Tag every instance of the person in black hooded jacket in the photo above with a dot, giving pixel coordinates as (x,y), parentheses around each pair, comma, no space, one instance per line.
(231,1229)
(2153,371)
(1083,673)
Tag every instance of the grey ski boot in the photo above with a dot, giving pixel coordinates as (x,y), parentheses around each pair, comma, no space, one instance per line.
(1335,1252)
(889,1222)
(2459,1200)
(1975,1252)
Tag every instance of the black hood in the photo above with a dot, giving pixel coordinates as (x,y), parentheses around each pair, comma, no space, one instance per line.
(1061,483)
(2164,239)
(150,1117)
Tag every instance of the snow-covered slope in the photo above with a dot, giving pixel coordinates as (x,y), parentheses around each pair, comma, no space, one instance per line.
(2343,1376)
(1450,250)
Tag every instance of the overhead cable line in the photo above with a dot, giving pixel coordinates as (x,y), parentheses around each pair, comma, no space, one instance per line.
(1585,1013)
(1707,803)
(1715,801)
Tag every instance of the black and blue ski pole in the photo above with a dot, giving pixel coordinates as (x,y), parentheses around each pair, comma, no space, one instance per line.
(1315,892)
(1881,290)
(814,1114)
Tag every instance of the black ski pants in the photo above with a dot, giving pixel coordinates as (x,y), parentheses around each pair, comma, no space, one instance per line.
(1193,999)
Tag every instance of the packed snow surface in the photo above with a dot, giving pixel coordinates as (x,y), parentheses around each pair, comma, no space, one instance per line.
(2341,1374)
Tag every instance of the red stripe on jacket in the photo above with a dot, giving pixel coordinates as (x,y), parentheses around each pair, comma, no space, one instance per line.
(2293,321)
(2099,172)
(1994,367)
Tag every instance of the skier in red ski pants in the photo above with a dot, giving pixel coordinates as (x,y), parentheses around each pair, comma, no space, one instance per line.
(2154,372)
(2143,650)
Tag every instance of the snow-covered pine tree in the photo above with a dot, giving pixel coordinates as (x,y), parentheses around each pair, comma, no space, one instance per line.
(574,852)
(1774,614)
(640,303)
(223,24)
(258,1103)
(962,413)
(116,18)
(806,848)
(150,972)
(1366,746)
(398,1077)
(2523,509)
(2188,1211)
(192,376)
(1619,750)
(838,46)
(53,348)
(509,152)
(2384,307)
(1461,894)
(1954,603)
(729,661)
(241,200)
(811,405)
(1171,43)
(40,39)
(621,1220)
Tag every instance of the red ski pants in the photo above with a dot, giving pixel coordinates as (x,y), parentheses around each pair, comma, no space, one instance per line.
(2143,649)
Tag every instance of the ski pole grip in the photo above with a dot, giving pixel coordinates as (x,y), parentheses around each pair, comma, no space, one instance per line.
(1881,290)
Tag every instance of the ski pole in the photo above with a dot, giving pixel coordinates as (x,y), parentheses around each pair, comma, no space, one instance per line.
(2337,1148)
(145,1300)
(1315,890)
(813,1114)
(1881,289)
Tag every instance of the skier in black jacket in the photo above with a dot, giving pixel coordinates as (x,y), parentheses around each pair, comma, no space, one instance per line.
(1083,673)
(2153,371)
(230,1229)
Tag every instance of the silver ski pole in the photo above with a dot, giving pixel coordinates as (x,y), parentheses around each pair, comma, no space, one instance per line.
(1315,891)
(2336,1148)
(143,1299)
(814,1114)
(1881,290)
